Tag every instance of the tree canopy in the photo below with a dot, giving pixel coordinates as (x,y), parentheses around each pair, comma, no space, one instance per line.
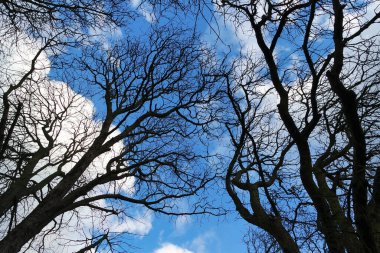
(304,126)
(110,111)
(90,130)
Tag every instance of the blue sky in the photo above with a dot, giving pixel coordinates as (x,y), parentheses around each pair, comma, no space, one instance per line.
(199,235)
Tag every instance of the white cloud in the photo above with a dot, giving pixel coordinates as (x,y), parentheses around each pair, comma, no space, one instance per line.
(171,248)
(235,36)
(145,9)
(16,60)
(199,244)
(181,223)
(140,224)
(227,37)
(104,33)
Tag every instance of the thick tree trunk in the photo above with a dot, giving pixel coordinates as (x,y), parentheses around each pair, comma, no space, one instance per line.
(328,222)
(356,134)
(286,242)
(51,206)
(29,228)
(359,184)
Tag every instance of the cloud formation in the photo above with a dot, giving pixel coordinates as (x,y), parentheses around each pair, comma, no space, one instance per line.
(171,248)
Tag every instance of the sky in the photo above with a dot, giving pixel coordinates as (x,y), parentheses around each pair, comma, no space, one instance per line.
(193,234)
(147,232)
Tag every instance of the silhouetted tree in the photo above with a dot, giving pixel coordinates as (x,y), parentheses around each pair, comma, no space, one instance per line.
(62,163)
(305,126)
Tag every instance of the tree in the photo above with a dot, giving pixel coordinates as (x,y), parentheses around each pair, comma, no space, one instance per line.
(62,163)
(304,124)
(74,176)
(73,20)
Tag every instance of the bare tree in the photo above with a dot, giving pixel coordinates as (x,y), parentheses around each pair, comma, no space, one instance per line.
(41,18)
(60,158)
(73,19)
(305,126)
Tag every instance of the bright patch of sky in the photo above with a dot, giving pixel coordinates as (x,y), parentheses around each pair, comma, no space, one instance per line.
(202,235)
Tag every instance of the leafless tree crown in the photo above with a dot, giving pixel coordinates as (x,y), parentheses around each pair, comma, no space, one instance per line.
(305,128)
(62,162)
